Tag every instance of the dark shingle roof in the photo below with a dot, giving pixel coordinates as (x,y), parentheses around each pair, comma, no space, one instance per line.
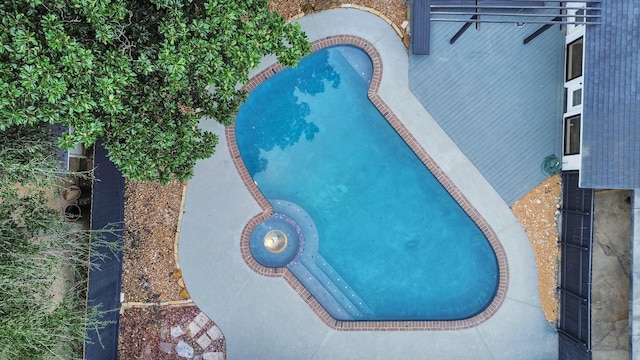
(611,110)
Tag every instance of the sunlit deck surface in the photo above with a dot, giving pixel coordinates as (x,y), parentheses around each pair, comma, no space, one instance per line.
(499,100)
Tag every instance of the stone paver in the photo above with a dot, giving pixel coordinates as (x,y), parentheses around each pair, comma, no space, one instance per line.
(204,340)
(213,356)
(193,328)
(215,333)
(201,319)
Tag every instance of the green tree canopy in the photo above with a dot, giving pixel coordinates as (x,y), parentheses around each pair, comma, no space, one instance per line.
(140,74)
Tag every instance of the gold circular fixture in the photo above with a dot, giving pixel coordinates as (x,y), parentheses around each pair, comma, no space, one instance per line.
(275,241)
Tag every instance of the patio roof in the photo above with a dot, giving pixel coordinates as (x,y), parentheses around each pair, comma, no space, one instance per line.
(611,110)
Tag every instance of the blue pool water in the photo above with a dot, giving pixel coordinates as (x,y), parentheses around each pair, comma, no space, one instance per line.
(388,239)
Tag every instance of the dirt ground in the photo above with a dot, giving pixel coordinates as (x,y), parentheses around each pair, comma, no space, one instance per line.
(394,10)
(537,211)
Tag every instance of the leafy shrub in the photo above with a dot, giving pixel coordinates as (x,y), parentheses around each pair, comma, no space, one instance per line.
(139,73)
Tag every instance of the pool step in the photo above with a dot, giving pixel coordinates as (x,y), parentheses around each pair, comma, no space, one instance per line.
(330,289)
(357,59)
(315,273)
(322,295)
(341,288)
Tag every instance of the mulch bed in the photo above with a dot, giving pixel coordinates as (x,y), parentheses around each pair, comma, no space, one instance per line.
(151,222)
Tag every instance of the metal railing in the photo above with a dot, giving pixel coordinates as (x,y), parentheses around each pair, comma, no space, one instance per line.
(505,12)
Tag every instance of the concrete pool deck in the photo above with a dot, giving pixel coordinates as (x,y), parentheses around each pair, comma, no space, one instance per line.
(264,318)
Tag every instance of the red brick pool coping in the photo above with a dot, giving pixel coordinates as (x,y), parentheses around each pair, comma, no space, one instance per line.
(426,159)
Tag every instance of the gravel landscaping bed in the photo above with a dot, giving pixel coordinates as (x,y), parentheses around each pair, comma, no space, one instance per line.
(537,211)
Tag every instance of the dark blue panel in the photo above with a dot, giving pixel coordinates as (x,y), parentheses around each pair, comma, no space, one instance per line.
(107,209)
(570,349)
(575,198)
(574,325)
(420,27)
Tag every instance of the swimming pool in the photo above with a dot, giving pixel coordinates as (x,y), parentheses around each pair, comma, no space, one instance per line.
(388,241)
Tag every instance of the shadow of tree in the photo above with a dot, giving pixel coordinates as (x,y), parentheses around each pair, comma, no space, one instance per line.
(268,129)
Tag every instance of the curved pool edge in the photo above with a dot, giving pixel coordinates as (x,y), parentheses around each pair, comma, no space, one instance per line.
(402,130)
